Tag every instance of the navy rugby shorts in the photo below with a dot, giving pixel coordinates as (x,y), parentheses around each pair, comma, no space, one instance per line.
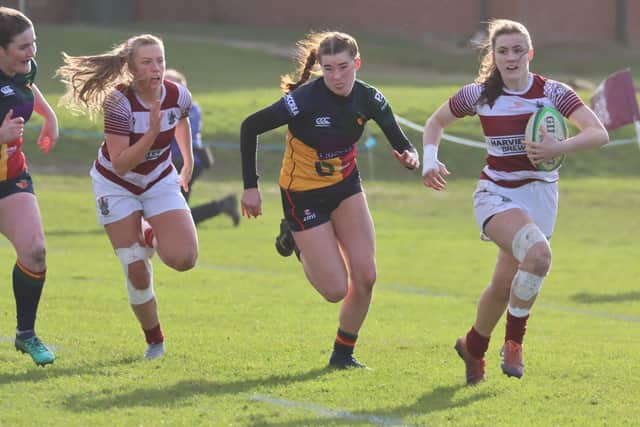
(307,209)
(19,184)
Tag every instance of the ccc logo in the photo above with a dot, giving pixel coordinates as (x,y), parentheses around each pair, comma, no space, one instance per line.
(323,122)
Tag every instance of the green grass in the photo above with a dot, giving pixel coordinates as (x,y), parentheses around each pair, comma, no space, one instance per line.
(248,338)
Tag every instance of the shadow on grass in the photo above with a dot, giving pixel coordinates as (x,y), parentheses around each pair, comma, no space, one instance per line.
(182,390)
(586,298)
(35,374)
(440,399)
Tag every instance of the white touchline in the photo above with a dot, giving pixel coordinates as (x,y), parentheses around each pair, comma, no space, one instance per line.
(327,412)
(552,307)
(410,289)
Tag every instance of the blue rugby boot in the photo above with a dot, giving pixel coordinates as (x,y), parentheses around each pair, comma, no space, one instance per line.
(38,351)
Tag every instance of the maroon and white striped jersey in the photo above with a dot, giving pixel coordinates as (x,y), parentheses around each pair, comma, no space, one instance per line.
(504,125)
(127,115)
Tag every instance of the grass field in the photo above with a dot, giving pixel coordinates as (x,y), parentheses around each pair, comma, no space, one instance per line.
(248,338)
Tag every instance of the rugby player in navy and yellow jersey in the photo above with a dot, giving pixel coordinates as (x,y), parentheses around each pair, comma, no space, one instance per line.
(20,220)
(324,205)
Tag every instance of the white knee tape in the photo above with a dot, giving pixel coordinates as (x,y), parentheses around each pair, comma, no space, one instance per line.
(128,256)
(524,239)
(526,285)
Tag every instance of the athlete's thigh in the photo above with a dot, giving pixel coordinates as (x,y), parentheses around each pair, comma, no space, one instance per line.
(175,231)
(126,231)
(322,260)
(355,231)
(20,220)
(502,227)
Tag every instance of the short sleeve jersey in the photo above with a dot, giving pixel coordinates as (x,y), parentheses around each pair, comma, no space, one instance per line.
(127,115)
(195,120)
(16,95)
(323,129)
(504,124)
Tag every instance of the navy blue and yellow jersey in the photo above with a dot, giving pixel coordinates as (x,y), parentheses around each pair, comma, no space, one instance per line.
(16,95)
(323,129)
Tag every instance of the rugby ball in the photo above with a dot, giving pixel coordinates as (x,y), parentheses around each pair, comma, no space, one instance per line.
(554,123)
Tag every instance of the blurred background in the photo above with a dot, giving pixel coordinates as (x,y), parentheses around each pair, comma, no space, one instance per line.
(417,52)
(585,21)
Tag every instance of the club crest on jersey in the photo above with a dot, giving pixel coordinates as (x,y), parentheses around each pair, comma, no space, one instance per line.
(172,118)
(103,204)
(360,120)
(7,90)
(22,184)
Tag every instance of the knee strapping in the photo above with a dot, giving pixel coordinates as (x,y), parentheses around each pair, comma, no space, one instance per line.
(526,285)
(128,256)
(525,238)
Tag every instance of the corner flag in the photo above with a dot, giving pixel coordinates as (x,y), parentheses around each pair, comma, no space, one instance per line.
(615,102)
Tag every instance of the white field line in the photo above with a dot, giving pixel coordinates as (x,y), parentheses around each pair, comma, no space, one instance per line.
(551,307)
(338,414)
(478,144)
(445,136)
(412,289)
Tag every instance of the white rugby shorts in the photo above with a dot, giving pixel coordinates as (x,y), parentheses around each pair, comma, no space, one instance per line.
(538,199)
(114,202)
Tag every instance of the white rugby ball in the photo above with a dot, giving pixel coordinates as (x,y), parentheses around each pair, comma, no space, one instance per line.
(554,124)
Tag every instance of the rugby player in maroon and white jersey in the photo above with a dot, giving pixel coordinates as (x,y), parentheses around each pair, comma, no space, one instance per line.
(515,203)
(136,187)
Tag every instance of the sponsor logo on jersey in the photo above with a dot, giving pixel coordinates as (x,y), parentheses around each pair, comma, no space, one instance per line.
(103,204)
(323,122)
(325,168)
(308,215)
(380,98)
(559,90)
(327,155)
(291,105)
(7,90)
(22,184)
(152,155)
(508,144)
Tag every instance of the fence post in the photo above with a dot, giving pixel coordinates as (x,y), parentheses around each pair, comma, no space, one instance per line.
(621,27)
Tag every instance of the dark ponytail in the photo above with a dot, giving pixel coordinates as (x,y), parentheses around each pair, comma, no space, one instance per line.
(287,84)
(309,55)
